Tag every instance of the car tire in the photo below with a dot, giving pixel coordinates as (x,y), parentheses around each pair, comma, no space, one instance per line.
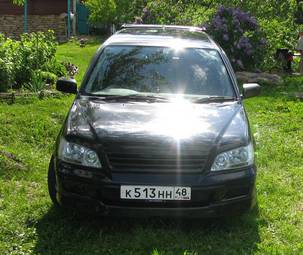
(51,180)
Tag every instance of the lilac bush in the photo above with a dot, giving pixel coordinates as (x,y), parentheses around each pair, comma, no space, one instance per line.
(239,34)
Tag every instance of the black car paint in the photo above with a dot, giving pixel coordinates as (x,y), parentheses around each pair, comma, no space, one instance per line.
(131,124)
(108,180)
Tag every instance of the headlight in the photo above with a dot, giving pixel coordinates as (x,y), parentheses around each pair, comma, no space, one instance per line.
(236,158)
(78,154)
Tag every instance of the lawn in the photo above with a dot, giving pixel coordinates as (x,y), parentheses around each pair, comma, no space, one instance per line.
(30,225)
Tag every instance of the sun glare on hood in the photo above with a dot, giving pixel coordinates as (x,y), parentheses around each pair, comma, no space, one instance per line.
(178,119)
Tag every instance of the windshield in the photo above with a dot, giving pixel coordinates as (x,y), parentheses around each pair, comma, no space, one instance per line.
(142,70)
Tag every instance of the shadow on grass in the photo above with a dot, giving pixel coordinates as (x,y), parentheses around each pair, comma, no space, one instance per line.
(60,232)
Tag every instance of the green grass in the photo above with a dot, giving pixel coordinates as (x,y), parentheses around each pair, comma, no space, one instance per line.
(30,225)
(71,52)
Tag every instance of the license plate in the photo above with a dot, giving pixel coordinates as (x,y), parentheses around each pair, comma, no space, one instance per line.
(155,192)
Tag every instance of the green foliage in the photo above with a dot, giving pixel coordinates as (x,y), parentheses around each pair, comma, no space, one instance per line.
(179,12)
(48,77)
(55,67)
(6,63)
(279,34)
(35,50)
(37,83)
(276,19)
(195,14)
(101,11)
(18,2)
(4,76)
(20,60)
(39,79)
(127,10)
(164,12)
(114,11)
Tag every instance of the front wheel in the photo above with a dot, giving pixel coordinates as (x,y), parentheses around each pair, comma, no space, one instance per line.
(51,180)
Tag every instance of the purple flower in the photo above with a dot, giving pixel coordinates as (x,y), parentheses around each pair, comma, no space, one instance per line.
(205,26)
(253,22)
(263,41)
(240,64)
(146,11)
(221,10)
(244,43)
(241,44)
(244,17)
(249,52)
(240,14)
(217,22)
(230,10)
(223,20)
(236,22)
(226,37)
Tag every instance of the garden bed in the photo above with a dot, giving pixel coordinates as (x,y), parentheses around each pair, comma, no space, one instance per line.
(10,97)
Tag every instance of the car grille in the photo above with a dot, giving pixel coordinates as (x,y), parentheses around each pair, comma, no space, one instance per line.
(156,158)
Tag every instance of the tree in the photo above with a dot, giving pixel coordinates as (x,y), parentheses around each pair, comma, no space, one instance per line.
(101,11)
(114,11)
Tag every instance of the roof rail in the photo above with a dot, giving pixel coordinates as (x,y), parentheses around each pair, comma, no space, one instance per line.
(150,26)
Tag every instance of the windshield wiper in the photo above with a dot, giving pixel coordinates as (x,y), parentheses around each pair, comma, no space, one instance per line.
(135,97)
(212,99)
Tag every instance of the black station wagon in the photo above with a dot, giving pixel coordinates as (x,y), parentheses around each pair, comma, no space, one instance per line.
(157,128)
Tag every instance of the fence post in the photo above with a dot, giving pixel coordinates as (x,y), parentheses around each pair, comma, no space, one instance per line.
(25,16)
(68,19)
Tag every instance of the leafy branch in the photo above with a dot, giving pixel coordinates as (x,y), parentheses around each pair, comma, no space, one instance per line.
(18,2)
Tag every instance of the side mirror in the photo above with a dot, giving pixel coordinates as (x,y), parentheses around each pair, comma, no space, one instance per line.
(251,90)
(67,85)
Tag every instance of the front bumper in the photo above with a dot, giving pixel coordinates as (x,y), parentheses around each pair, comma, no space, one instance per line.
(213,195)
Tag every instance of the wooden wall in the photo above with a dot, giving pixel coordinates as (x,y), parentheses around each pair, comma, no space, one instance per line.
(35,7)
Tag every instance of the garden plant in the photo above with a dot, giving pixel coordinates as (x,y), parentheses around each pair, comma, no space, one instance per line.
(29,62)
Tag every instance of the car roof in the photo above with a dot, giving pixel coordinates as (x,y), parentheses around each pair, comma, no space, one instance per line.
(162,35)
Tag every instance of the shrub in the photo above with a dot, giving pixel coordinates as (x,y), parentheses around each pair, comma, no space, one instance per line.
(4,76)
(28,60)
(195,15)
(7,49)
(240,36)
(114,11)
(279,34)
(178,12)
(35,50)
(48,77)
(55,67)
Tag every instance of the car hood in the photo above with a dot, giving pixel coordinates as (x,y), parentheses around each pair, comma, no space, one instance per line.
(208,125)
